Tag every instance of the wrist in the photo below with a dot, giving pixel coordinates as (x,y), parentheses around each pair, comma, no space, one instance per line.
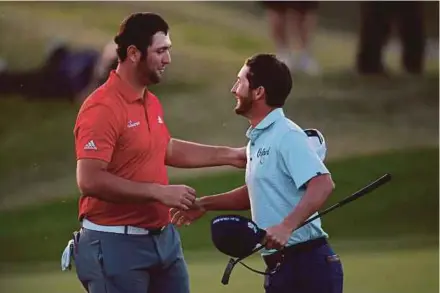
(155,191)
(202,203)
(225,155)
(289,224)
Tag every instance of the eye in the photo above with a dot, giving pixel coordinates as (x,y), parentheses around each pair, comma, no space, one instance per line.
(163,50)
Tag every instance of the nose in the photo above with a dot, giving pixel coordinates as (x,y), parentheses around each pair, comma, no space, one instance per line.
(234,88)
(167,58)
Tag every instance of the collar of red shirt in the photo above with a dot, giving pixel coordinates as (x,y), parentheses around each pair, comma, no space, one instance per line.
(125,89)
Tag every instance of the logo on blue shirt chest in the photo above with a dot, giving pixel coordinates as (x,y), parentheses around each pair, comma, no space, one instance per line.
(262,154)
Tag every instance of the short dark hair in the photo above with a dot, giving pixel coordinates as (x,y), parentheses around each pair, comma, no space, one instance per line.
(273,75)
(138,29)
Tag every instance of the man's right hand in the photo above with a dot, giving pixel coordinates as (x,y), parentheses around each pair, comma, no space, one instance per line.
(178,196)
(180,217)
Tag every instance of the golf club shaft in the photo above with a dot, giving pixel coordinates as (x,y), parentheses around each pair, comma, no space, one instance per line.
(373,185)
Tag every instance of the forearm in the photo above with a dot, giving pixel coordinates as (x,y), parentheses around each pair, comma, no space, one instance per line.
(108,187)
(237,199)
(183,154)
(314,198)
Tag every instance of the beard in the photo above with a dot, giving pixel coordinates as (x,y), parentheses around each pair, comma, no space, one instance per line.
(147,76)
(154,77)
(244,104)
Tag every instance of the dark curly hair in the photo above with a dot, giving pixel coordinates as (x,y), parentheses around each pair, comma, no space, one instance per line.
(138,29)
(273,75)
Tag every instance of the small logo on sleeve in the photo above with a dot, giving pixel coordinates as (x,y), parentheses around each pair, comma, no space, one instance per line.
(90,146)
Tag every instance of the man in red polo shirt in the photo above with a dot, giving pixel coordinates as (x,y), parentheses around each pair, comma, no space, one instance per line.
(127,243)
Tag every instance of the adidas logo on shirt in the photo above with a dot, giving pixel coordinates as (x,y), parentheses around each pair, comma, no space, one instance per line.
(90,146)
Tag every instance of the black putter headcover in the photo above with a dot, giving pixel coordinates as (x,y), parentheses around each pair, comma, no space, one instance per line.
(235,235)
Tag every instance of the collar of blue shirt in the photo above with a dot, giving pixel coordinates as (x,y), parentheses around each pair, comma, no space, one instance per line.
(270,118)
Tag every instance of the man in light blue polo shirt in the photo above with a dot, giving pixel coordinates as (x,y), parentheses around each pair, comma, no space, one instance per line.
(286,183)
(281,162)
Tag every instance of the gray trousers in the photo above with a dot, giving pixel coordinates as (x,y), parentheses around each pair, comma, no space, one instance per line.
(118,263)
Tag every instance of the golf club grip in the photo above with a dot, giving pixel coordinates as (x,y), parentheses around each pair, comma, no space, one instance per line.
(370,187)
(228,271)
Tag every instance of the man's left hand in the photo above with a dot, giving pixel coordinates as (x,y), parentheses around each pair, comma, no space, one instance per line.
(238,157)
(277,236)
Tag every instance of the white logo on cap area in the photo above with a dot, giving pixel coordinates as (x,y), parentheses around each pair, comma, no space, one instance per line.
(252,226)
(221,219)
(159,120)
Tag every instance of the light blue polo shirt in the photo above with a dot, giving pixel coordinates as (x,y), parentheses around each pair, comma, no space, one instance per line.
(280,162)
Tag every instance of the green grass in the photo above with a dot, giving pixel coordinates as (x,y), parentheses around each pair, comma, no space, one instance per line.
(407,207)
(397,271)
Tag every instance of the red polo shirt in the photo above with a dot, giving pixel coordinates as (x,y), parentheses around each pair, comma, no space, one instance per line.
(115,124)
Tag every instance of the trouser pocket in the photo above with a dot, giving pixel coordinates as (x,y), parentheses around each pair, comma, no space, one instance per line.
(336,273)
(89,259)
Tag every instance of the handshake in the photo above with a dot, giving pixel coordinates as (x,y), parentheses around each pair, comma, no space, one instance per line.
(185,207)
(183,203)
(180,217)
(178,196)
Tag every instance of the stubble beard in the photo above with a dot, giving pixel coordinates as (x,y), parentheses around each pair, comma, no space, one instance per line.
(244,105)
(147,76)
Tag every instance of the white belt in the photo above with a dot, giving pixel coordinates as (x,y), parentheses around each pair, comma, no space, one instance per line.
(117,229)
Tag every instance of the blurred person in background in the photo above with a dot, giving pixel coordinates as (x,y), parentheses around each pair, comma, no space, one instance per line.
(378,19)
(66,73)
(294,21)
(108,61)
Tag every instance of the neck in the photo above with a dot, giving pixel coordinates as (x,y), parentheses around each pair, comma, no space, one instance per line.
(128,75)
(258,116)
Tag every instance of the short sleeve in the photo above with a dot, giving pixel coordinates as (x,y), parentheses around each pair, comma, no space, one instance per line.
(301,161)
(96,133)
